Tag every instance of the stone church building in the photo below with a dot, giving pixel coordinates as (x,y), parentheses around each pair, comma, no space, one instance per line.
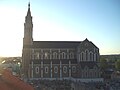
(58,59)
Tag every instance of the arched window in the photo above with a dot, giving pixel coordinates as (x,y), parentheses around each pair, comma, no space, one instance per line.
(37,70)
(86,55)
(55,69)
(71,55)
(55,56)
(82,56)
(73,69)
(94,57)
(36,55)
(65,69)
(63,55)
(46,69)
(91,56)
(46,55)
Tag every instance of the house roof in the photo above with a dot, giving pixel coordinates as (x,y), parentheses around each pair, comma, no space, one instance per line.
(11,82)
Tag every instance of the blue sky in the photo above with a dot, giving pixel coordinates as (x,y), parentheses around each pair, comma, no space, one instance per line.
(61,20)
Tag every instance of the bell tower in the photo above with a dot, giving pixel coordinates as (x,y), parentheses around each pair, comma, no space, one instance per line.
(27,43)
(28,28)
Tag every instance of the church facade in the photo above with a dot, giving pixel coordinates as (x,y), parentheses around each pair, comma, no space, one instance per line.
(57,59)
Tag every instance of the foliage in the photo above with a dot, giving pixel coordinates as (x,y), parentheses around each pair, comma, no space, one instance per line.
(103,64)
(117,64)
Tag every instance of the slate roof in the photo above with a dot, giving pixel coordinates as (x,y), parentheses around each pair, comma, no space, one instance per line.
(55,44)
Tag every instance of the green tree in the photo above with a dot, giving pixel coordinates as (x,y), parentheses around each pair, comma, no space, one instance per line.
(117,64)
(103,64)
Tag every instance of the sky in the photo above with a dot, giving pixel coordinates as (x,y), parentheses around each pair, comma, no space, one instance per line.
(61,20)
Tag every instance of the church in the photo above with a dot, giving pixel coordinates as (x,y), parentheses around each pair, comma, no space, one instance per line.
(58,59)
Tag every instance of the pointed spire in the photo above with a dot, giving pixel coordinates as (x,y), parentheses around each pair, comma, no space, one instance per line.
(29,12)
(29,5)
(28,16)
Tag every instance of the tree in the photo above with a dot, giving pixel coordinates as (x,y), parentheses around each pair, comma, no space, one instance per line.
(103,64)
(117,64)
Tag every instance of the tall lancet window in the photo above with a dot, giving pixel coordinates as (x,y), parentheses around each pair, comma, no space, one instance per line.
(37,70)
(63,55)
(94,56)
(91,56)
(37,55)
(46,55)
(86,55)
(82,56)
(55,56)
(71,55)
